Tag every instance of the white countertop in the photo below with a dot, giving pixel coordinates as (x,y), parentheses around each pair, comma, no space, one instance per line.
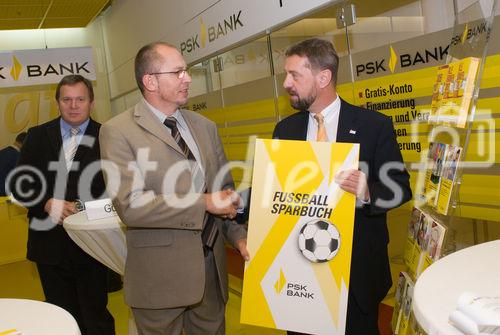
(31,317)
(475,269)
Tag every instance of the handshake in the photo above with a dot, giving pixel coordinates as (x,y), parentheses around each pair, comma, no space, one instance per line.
(225,204)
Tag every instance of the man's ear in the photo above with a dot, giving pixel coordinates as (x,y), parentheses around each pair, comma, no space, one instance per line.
(149,82)
(325,78)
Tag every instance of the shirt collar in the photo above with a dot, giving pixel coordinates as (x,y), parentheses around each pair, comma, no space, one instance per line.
(177,115)
(66,127)
(330,111)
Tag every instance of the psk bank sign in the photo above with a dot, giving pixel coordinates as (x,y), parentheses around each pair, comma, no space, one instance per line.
(44,66)
(208,33)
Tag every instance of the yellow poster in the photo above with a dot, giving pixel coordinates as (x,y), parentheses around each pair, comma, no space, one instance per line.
(300,237)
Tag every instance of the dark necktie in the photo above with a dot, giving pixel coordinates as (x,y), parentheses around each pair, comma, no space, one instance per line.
(210,231)
(171,123)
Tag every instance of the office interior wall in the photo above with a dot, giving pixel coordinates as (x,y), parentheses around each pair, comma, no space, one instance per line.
(130,24)
(24,107)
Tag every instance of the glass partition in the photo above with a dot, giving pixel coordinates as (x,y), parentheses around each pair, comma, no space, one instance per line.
(203,78)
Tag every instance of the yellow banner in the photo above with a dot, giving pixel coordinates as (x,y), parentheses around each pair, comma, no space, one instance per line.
(300,237)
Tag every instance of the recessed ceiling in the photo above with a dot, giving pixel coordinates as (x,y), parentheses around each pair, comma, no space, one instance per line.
(44,14)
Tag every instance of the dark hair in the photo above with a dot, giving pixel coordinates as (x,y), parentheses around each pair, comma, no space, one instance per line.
(73,79)
(147,61)
(20,137)
(320,53)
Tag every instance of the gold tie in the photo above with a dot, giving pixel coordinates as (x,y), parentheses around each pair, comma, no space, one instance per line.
(321,136)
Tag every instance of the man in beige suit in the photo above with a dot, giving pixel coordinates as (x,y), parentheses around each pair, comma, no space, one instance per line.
(169,192)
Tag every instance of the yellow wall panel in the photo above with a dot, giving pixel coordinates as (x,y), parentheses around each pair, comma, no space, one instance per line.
(261,109)
(491,72)
(236,152)
(215,114)
(14,232)
(251,129)
(482,213)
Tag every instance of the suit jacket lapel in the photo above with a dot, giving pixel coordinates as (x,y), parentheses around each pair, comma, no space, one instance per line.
(147,120)
(347,129)
(92,131)
(197,130)
(298,130)
(54,136)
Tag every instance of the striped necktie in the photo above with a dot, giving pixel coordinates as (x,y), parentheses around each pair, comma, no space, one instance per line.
(322,135)
(210,231)
(171,123)
(196,171)
(70,152)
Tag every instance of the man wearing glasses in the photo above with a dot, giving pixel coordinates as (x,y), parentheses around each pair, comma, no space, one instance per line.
(173,200)
(60,150)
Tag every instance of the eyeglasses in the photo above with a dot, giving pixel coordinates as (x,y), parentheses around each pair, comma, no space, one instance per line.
(179,73)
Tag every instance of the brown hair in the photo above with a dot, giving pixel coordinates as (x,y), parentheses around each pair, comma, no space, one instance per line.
(320,53)
(73,79)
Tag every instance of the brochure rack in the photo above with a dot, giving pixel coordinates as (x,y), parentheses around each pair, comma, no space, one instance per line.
(454,119)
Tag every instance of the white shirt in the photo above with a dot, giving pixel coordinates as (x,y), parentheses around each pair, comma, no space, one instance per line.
(331,116)
(66,132)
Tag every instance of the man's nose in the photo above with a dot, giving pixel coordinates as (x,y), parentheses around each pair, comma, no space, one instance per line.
(287,82)
(187,77)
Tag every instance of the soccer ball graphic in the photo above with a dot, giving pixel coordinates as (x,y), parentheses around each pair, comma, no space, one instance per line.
(319,241)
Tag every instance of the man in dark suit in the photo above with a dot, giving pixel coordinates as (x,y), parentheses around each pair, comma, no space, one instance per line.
(8,160)
(381,184)
(52,161)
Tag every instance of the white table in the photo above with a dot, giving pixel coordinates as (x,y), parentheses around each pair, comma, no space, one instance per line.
(31,317)
(475,269)
(103,239)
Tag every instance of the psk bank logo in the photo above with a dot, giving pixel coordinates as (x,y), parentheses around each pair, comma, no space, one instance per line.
(403,60)
(464,34)
(282,286)
(378,65)
(15,70)
(393,60)
(280,283)
(209,33)
(477,32)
